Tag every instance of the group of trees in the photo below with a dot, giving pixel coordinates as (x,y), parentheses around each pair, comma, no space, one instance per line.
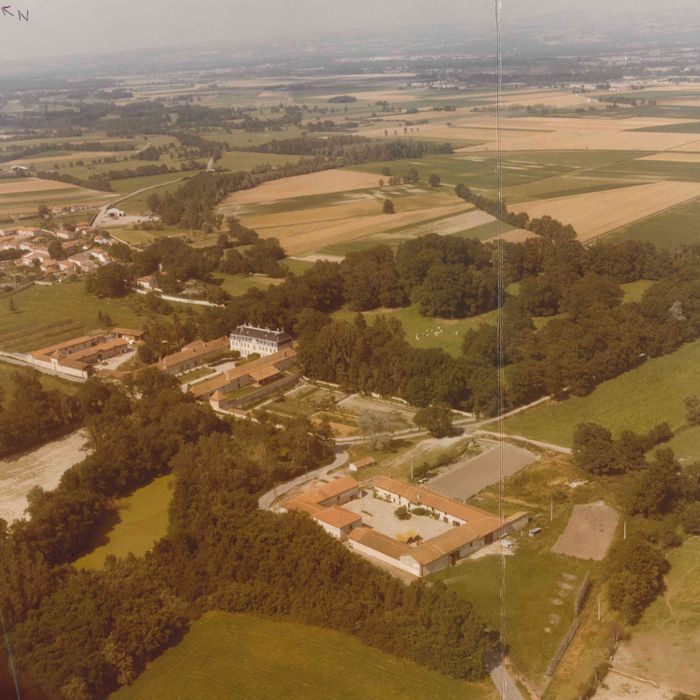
(32,415)
(658,495)
(82,634)
(353,149)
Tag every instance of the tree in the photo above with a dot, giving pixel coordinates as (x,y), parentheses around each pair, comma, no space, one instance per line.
(635,576)
(692,410)
(12,306)
(376,426)
(434,180)
(437,420)
(56,250)
(593,448)
(388,207)
(657,489)
(108,281)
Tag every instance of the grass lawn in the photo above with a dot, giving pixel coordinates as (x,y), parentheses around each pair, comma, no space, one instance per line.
(241,656)
(540,588)
(7,372)
(634,291)
(638,400)
(142,519)
(47,315)
(677,226)
(425,331)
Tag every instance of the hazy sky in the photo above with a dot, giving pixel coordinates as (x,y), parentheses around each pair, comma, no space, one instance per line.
(59,27)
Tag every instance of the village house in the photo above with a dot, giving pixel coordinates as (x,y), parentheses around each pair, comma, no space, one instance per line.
(192,355)
(248,339)
(147,282)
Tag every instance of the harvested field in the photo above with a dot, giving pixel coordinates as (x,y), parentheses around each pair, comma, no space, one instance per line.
(589,532)
(323,182)
(469,476)
(596,213)
(308,237)
(31,184)
(578,133)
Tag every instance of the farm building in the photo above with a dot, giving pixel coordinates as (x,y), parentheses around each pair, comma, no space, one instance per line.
(261,371)
(192,355)
(248,339)
(362,464)
(322,504)
(147,282)
(77,356)
(456,530)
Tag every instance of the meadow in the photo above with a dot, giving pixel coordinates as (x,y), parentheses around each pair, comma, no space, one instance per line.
(45,315)
(241,656)
(139,521)
(636,400)
(425,331)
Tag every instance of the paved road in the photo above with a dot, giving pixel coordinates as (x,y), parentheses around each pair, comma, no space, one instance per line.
(266,500)
(505,685)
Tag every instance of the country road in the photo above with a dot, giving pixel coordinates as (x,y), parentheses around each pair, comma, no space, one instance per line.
(267,499)
(102,212)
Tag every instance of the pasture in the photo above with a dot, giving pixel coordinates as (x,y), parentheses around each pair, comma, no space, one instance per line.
(637,400)
(241,656)
(47,315)
(425,331)
(138,522)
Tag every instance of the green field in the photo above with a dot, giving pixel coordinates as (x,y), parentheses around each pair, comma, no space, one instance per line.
(141,520)
(636,400)
(247,160)
(534,624)
(677,226)
(477,170)
(240,656)
(425,331)
(236,285)
(47,315)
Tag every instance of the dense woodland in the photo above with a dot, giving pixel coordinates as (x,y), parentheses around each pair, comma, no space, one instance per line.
(81,634)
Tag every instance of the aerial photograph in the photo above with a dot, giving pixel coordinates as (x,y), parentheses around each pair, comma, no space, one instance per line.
(350,351)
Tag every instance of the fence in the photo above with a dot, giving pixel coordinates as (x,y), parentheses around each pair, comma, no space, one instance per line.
(579,604)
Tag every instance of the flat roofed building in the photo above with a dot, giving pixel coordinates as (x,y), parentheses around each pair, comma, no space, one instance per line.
(248,339)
